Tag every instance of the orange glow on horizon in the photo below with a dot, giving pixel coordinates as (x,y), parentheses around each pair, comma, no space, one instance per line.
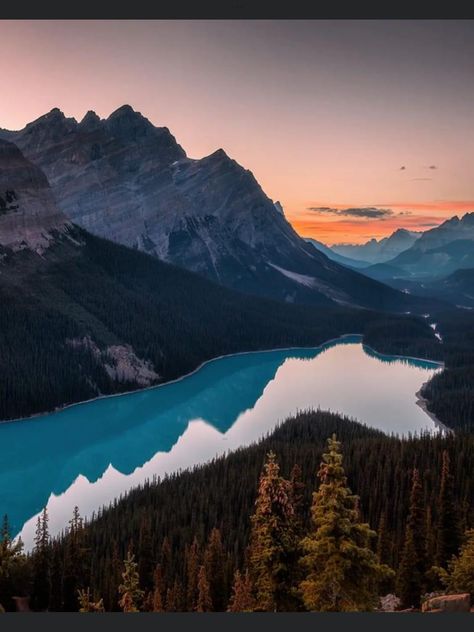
(332,228)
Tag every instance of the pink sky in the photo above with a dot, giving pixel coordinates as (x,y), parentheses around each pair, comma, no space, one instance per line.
(325,114)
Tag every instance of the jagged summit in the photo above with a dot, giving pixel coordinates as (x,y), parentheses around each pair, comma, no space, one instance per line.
(54,117)
(90,120)
(127,180)
(124,110)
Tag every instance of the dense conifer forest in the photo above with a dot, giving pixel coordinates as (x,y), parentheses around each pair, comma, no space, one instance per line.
(244,532)
(112,295)
(451,393)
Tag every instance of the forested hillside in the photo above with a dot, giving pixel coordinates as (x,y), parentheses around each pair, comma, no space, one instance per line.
(451,393)
(64,315)
(170,526)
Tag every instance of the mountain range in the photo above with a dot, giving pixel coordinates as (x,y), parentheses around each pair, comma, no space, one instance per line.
(436,254)
(379,251)
(126,180)
(82,316)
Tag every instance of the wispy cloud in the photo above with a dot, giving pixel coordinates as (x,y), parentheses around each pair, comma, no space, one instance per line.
(365,212)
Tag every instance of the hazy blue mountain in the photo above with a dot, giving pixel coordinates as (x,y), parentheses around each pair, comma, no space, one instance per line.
(458,288)
(453,229)
(379,251)
(425,264)
(334,256)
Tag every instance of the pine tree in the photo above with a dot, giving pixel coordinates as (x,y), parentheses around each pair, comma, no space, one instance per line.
(343,573)
(383,540)
(42,564)
(131,595)
(214,565)
(430,536)
(447,526)
(13,566)
(174,598)
(166,563)
(272,539)
(204,602)
(461,568)
(297,488)
(192,570)
(75,562)
(242,599)
(146,564)
(413,565)
(86,604)
(113,578)
(157,602)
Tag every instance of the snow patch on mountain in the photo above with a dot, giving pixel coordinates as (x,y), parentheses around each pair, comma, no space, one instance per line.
(303,279)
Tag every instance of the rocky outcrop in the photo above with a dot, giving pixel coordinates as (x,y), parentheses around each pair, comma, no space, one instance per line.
(123,365)
(448,603)
(389,603)
(29,216)
(120,362)
(125,179)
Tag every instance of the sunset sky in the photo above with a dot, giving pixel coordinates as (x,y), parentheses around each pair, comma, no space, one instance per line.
(356,127)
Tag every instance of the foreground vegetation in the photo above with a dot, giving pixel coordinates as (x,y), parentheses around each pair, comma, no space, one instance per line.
(229,536)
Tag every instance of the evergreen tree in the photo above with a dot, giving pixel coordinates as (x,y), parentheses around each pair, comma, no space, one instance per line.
(297,488)
(242,599)
(86,604)
(131,595)
(413,565)
(214,565)
(447,543)
(145,555)
(383,540)
(166,563)
(113,578)
(272,539)
(171,601)
(192,559)
(13,566)
(204,602)
(430,535)
(174,598)
(75,562)
(157,603)
(343,573)
(461,568)
(42,563)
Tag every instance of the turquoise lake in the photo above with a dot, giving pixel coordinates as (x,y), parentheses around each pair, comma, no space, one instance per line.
(89,454)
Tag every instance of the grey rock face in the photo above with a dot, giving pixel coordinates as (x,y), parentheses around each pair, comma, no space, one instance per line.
(125,179)
(29,216)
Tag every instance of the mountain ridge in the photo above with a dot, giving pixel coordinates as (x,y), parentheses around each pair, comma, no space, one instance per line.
(124,179)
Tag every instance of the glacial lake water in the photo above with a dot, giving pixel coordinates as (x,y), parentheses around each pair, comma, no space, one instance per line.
(89,454)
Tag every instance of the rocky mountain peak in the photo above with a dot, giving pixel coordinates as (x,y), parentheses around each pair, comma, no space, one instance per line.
(124,111)
(53,124)
(90,121)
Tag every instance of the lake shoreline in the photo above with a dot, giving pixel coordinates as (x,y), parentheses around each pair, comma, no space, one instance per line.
(422,402)
(59,409)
